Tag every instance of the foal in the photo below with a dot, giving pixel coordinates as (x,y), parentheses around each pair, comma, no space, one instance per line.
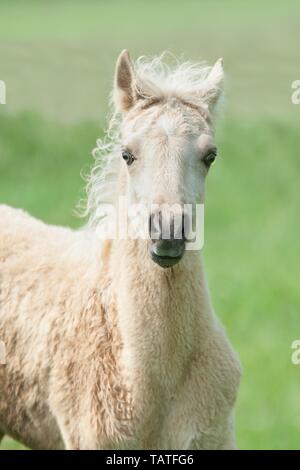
(114,344)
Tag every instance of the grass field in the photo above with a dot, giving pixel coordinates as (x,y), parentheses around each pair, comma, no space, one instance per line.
(57,59)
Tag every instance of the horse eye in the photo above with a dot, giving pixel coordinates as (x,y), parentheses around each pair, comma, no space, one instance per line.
(209,158)
(127,157)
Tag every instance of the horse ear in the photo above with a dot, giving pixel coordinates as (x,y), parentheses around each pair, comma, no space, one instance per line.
(124,95)
(214,85)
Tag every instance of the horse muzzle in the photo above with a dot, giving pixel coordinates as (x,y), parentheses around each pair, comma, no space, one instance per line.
(168,239)
(167,253)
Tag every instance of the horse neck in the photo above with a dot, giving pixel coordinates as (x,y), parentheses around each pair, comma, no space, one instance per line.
(162,314)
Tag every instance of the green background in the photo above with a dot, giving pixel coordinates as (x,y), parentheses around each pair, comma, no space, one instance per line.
(57,59)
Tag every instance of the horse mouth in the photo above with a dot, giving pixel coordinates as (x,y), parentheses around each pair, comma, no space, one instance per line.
(166,254)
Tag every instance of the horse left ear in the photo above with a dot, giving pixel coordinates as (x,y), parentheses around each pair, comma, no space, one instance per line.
(129,87)
(214,85)
(124,82)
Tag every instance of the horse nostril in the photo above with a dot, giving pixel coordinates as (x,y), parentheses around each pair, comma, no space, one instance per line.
(155,226)
(183,231)
(185,227)
(180,227)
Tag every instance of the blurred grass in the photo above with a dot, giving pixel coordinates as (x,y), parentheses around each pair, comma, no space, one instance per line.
(46,45)
(10,444)
(41,162)
(57,60)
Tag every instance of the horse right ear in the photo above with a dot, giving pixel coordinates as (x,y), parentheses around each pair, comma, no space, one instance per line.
(125,83)
(214,85)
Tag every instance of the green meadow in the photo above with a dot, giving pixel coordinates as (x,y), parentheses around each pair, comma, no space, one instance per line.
(57,60)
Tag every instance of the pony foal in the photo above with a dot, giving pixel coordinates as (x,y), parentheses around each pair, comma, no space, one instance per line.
(114,344)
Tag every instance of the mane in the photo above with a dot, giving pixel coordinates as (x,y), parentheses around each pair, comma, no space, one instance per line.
(166,75)
(162,79)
